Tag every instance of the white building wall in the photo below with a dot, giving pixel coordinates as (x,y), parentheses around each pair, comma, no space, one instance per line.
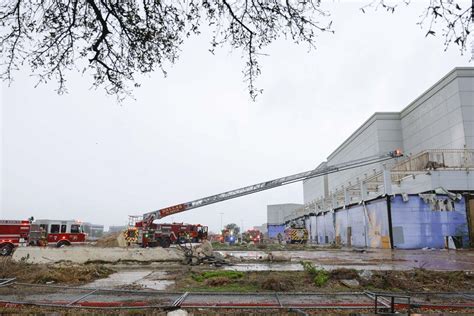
(435,120)
(380,134)
(276,213)
(441,118)
(466,98)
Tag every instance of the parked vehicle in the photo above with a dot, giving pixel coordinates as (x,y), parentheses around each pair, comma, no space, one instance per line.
(58,233)
(253,235)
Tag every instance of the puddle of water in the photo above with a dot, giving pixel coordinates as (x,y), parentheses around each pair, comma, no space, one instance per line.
(119,279)
(150,280)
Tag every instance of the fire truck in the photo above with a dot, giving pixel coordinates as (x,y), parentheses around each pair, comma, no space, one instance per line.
(253,235)
(148,230)
(296,232)
(164,234)
(58,233)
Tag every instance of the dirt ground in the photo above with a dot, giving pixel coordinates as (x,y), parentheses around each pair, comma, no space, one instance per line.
(301,281)
(61,273)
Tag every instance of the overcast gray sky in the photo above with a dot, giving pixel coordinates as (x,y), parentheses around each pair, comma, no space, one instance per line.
(196,133)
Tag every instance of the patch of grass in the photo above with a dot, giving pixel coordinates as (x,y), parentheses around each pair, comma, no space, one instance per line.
(320,276)
(232,275)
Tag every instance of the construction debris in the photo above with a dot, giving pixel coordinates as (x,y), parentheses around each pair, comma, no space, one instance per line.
(202,254)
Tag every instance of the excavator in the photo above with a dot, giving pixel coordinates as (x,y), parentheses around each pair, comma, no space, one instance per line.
(150,235)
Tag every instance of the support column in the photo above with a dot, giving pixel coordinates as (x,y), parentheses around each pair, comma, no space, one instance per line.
(347,198)
(387,180)
(363,190)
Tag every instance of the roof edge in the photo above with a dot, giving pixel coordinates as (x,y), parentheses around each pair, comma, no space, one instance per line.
(374,117)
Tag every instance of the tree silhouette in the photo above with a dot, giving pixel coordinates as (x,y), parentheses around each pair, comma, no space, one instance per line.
(233,227)
(117,39)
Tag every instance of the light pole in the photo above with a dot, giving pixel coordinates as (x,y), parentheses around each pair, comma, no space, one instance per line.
(221,221)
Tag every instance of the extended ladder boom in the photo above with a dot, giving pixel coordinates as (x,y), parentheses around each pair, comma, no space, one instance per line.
(149,217)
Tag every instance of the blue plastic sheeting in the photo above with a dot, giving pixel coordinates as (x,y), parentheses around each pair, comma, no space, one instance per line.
(368,226)
(274,230)
(416,225)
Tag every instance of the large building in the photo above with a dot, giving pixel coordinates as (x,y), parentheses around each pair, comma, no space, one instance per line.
(424,199)
(277,214)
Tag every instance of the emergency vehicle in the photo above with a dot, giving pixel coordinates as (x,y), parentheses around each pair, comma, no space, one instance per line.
(253,235)
(229,236)
(293,234)
(165,234)
(43,232)
(296,232)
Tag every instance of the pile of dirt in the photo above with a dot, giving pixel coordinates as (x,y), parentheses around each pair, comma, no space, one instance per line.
(109,240)
(61,273)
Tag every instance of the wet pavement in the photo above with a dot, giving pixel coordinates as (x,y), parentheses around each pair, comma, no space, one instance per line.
(17,294)
(372,259)
(156,280)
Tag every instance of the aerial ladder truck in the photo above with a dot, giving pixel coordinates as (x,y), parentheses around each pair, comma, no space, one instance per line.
(149,236)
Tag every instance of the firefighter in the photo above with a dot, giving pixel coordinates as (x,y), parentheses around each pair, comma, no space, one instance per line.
(280,238)
(43,241)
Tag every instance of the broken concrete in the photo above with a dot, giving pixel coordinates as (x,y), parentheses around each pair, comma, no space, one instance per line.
(95,254)
(352,284)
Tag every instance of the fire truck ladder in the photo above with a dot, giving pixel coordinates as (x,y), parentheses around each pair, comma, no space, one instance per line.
(149,217)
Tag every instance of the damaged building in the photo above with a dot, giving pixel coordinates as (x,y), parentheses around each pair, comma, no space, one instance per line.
(424,199)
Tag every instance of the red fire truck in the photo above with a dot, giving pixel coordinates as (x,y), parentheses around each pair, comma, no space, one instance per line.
(164,235)
(253,235)
(14,233)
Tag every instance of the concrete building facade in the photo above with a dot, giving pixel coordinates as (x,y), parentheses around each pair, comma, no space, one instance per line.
(276,217)
(382,205)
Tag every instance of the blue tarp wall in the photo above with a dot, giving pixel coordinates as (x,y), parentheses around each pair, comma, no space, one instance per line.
(273,230)
(416,225)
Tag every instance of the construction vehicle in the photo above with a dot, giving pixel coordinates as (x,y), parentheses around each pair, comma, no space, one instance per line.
(58,233)
(148,229)
(252,235)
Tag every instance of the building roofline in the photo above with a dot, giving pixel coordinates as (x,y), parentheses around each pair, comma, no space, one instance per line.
(441,83)
(450,76)
(285,204)
(374,117)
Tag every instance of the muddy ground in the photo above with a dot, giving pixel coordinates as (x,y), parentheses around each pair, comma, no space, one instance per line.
(391,271)
(205,278)
(61,273)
